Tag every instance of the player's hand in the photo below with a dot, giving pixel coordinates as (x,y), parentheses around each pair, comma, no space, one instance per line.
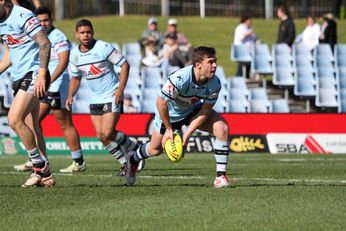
(118,96)
(68,104)
(40,84)
(168,135)
(186,138)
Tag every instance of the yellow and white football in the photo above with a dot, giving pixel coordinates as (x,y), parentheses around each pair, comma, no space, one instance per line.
(174,149)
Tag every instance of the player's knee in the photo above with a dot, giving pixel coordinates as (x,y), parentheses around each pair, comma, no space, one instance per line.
(14,123)
(221,130)
(154,151)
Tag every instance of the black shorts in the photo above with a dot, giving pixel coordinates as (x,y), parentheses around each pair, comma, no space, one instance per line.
(186,121)
(27,84)
(103,108)
(53,99)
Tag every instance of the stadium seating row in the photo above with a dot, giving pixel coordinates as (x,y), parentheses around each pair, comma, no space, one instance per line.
(319,74)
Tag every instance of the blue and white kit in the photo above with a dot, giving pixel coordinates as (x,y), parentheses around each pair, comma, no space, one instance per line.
(97,67)
(183,95)
(17,31)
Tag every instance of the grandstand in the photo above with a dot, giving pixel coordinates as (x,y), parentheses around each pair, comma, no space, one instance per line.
(301,81)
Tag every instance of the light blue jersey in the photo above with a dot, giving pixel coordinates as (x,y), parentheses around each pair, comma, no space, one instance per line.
(17,31)
(59,43)
(97,66)
(183,94)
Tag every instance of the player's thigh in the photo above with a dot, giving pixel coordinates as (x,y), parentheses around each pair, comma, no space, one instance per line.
(23,103)
(215,125)
(109,121)
(97,123)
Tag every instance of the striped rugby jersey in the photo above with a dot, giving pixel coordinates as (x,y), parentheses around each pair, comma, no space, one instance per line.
(97,67)
(182,94)
(59,43)
(17,31)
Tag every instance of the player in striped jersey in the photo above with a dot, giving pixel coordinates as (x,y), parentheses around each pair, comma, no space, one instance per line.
(58,91)
(187,98)
(28,51)
(94,60)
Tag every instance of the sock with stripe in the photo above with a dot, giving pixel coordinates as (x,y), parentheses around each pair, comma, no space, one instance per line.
(77,156)
(115,151)
(140,154)
(221,149)
(36,158)
(125,141)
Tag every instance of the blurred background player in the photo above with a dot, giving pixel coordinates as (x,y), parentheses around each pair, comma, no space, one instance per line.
(28,51)
(128,106)
(287,29)
(244,35)
(58,91)
(94,60)
(187,98)
(30,5)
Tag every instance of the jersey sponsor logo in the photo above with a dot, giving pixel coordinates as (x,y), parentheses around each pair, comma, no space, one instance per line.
(13,41)
(93,72)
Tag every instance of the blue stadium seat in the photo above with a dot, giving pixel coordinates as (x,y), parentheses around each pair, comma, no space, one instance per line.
(240,53)
(326,98)
(324,62)
(134,60)
(302,50)
(342,83)
(282,61)
(258,93)
(220,72)
(280,106)
(301,61)
(238,106)
(238,94)
(152,77)
(283,76)
(148,106)
(131,49)
(341,61)
(281,49)
(323,72)
(324,50)
(261,65)
(305,87)
(259,106)
(327,83)
(342,106)
(238,83)
(221,105)
(262,50)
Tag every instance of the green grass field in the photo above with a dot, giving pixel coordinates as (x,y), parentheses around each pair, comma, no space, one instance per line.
(211,31)
(273,192)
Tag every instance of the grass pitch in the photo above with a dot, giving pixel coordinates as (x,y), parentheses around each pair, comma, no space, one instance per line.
(273,192)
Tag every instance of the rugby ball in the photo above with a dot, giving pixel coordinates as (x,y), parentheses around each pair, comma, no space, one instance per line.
(174,148)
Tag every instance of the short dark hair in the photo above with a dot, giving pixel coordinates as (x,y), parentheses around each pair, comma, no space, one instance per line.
(84,22)
(43,10)
(202,52)
(245,16)
(284,9)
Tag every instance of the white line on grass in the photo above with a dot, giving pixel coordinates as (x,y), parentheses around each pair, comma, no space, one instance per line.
(196,177)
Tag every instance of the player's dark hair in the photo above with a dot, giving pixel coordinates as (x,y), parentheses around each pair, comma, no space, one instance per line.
(43,10)
(84,22)
(200,53)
